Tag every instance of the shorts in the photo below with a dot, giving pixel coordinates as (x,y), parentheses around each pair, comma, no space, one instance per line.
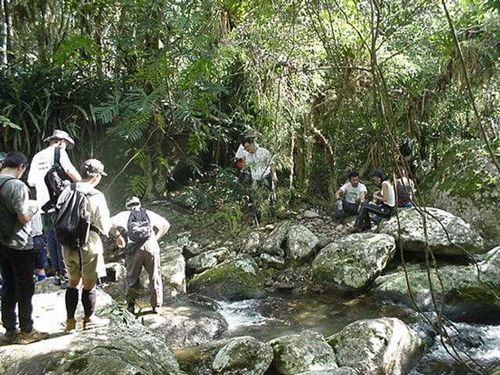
(89,264)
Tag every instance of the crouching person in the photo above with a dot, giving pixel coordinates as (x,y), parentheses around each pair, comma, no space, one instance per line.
(138,231)
(83,204)
(350,196)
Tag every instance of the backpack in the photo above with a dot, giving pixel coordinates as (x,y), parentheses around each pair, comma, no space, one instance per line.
(138,226)
(403,193)
(406,147)
(56,180)
(72,223)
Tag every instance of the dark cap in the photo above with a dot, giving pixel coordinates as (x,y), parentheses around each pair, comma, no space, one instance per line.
(94,167)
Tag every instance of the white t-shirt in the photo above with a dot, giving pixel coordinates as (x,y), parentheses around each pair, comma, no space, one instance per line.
(390,200)
(241,153)
(259,163)
(40,165)
(352,193)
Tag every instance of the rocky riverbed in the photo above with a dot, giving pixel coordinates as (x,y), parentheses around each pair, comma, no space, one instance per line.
(299,296)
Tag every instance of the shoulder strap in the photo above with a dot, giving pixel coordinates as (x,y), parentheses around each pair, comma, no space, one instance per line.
(57,155)
(4,181)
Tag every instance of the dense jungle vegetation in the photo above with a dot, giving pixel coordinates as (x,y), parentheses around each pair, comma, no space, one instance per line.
(162,90)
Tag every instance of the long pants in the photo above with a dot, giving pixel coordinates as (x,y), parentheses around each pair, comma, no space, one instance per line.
(147,256)
(55,253)
(348,209)
(18,287)
(363,220)
(41,252)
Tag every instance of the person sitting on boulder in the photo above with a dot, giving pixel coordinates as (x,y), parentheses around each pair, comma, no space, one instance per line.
(405,188)
(138,232)
(350,196)
(385,201)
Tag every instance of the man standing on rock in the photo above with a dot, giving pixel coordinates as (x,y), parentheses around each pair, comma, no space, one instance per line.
(138,232)
(87,263)
(17,256)
(350,196)
(42,162)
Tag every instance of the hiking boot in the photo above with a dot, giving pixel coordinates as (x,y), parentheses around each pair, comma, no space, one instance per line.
(70,326)
(9,337)
(25,338)
(91,322)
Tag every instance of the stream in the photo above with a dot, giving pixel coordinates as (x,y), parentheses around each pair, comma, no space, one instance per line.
(283,314)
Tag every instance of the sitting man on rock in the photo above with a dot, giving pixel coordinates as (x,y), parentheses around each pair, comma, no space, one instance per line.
(138,232)
(350,196)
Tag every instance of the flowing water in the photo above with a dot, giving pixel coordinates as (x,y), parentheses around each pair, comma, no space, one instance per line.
(283,314)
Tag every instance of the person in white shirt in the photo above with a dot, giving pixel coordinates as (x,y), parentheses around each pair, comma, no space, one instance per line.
(260,162)
(141,252)
(42,162)
(385,201)
(350,196)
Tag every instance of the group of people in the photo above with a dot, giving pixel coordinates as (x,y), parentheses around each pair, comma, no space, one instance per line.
(75,217)
(352,198)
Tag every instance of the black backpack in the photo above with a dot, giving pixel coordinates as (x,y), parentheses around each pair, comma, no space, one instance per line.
(56,180)
(138,226)
(72,223)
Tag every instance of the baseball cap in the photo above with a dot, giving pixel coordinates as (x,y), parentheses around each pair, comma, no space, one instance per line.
(94,166)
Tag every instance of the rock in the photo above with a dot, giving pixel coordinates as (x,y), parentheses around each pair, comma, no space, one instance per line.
(354,261)
(206,260)
(252,245)
(333,371)
(385,346)
(233,279)
(243,356)
(439,222)
(187,325)
(120,348)
(302,352)
(116,271)
(339,228)
(273,244)
(311,214)
(271,261)
(300,243)
(173,271)
(189,247)
(466,295)
(47,286)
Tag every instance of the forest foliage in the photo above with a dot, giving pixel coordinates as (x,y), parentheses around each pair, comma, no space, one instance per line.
(330,85)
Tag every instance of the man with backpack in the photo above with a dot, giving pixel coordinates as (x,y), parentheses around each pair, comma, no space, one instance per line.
(50,170)
(17,256)
(82,216)
(138,232)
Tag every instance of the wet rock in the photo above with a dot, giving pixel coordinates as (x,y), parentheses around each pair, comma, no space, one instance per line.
(233,279)
(116,271)
(354,261)
(120,348)
(469,293)
(189,247)
(302,352)
(462,238)
(186,325)
(206,260)
(243,356)
(385,346)
(252,245)
(273,244)
(300,243)
(333,371)
(173,270)
(311,214)
(271,261)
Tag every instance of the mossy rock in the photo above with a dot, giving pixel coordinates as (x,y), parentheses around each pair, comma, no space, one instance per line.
(234,279)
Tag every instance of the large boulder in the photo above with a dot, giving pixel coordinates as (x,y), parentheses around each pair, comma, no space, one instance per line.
(469,293)
(332,371)
(243,356)
(123,347)
(252,245)
(354,261)
(303,352)
(446,233)
(234,279)
(385,346)
(173,271)
(206,260)
(274,243)
(300,243)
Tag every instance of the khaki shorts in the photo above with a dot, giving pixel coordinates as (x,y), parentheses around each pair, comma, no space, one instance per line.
(89,264)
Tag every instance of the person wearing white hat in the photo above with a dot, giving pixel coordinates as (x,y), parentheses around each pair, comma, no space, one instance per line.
(42,162)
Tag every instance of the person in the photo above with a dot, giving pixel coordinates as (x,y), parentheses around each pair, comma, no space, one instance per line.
(260,162)
(141,251)
(42,162)
(40,246)
(405,188)
(241,156)
(17,256)
(87,264)
(385,201)
(350,196)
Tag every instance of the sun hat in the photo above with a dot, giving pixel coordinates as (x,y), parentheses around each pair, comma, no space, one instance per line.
(61,134)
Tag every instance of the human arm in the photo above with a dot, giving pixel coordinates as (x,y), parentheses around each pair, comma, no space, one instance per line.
(18,193)
(159,223)
(68,166)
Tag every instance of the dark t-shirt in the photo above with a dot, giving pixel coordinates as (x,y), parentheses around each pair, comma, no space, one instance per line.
(14,201)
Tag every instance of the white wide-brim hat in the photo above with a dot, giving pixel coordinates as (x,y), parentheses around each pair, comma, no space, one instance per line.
(61,134)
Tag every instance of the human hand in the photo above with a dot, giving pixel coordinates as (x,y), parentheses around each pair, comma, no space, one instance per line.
(120,242)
